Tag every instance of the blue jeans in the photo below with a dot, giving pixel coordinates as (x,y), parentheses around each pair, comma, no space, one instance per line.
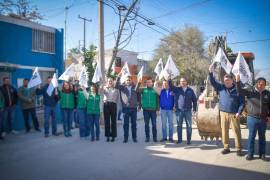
(167,118)
(49,111)
(150,114)
(254,125)
(180,116)
(94,126)
(76,118)
(130,113)
(9,116)
(82,122)
(67,120)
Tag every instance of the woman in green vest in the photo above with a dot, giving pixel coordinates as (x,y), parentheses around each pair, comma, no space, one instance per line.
(1,113)
(81,112)
(67,106)
(93,112)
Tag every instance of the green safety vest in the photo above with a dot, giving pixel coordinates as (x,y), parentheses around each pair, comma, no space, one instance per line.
(2,100)
(149,99)
(93,104)
(81,100)
(67,100)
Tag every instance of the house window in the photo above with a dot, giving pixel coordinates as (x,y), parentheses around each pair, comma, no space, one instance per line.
(43,41)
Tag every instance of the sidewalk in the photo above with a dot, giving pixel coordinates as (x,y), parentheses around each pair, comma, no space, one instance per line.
(31,156)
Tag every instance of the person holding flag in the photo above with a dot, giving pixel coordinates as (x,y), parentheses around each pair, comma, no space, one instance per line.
(67,105)
(93,110)
(50,98)
(111,96)
(149,102)
(27,96)
(258,108)
(129,98)
(231,106)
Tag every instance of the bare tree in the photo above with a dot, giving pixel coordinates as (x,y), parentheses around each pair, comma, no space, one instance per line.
(21,9)
(127,22)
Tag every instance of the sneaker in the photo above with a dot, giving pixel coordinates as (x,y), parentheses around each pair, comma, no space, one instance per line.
(14,132)
(3,134)
(46,135)
(38,130)
(262,157)
(249,157)
(239,153)
(125,141)
(225,151)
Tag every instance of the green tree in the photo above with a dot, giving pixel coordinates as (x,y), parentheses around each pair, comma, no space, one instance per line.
(90,55)
(187,49)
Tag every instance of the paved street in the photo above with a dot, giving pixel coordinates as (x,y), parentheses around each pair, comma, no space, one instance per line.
(32,157)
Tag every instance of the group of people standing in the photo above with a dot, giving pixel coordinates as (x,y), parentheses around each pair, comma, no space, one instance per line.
(89,103)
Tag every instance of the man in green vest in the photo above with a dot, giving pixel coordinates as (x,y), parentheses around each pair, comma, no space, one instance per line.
(27,97)
(149,102)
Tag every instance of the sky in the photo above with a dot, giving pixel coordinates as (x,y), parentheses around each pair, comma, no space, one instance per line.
(242,20)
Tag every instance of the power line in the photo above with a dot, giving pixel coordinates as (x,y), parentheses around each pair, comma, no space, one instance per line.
(250,41)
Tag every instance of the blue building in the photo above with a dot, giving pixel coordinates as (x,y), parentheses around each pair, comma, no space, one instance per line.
(25,45)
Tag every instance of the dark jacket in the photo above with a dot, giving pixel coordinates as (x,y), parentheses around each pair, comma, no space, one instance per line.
(229,99)
(166,101)
(11,98)
(27,97)
(127,100)
(48,100)
(184,100)
(258,104)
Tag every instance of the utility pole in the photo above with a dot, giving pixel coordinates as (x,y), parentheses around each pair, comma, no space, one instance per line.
(66,11)
(101,37)
(84,32)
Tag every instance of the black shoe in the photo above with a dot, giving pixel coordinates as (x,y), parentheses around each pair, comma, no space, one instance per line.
(225,151)
(179,142)
(46,135)
(239,153)
(188,143)
(108,139)
(155,139)
(135,140)
(171,140)
(146,140)
(262,157)
(249,157)
(125,141)
(55,134)
(97,139)
(27,130)
(163,140)
(112,140)
(38,130)
(1,138)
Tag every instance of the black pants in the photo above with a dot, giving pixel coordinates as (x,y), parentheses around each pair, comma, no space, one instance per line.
(26,112)
(110,111)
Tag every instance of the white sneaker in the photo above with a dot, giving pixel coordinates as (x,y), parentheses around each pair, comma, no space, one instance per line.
(14,132)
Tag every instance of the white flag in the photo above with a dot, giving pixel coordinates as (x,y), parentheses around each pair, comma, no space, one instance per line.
(52,85)
(125,73)
(35,79)
(223,60)
(83,78)
(97,75)
(170,69)
(69,72)
(140,74)
(241,67)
